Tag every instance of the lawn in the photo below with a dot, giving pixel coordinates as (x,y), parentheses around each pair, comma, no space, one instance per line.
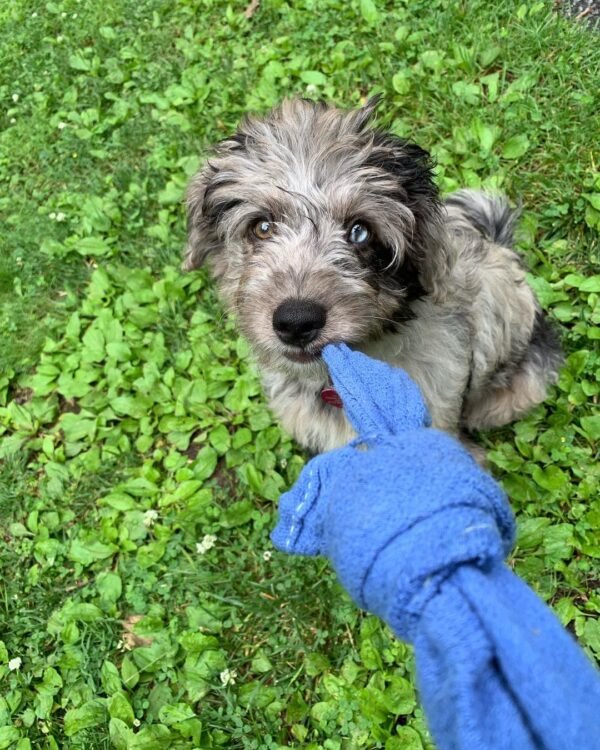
(141,602)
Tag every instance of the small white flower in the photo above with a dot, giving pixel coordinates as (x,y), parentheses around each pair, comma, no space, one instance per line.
(74,15)
(267,555)
(15,664)
(63,15)
(62,125)
(15,98)
(60,216)
(59,38)
(136,722)
(34,14)
(227,677)
(150,517)
(52,215)
(208,542)
(13,120)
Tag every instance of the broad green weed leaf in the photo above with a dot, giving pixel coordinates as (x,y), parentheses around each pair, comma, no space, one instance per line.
(314,77)
(8,735)
(79,62)
(558,541)
(120,734)
(368,10)
(566,611)
(546,292)
(109,586)
(220,439)
(129,672)
(406,738)
(120,708)
(531,532)
(241,437)
(155,737)
(94,246)
(237,514)
(119,351)
(133,406)
(90,714)
(590,284)
(591,426)
(261,663)
(183,492)
(198,643)
(373,704)
(470,92)
(111,681)
(199,672)
(516,147)
(316,663)
(205,463)
(173,714)
(119,501)
(150,554)
(88,551)
(591,634)
(594,200)
(400,696)
(401,83)
(256,695)
(250,474)
(550,478)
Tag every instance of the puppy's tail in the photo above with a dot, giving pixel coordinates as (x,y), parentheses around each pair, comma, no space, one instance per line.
(491,215)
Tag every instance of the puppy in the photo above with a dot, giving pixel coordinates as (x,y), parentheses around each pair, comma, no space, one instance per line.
(319,228)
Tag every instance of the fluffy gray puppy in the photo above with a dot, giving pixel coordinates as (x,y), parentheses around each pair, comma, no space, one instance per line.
(319,227)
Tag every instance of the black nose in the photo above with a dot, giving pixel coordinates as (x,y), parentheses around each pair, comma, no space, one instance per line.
(298,321)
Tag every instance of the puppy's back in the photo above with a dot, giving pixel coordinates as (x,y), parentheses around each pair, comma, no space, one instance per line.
(516,352)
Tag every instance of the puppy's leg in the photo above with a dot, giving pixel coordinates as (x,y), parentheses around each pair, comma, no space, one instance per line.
(519,385)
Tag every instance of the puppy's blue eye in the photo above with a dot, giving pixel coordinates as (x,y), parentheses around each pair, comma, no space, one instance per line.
(359,234)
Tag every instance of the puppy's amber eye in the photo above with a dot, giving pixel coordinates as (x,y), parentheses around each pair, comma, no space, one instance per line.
(263,229)
(359,234)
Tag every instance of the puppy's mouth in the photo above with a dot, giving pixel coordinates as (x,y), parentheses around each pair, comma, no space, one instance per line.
(302,357)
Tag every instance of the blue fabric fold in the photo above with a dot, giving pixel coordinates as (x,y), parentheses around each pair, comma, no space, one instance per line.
(418,534)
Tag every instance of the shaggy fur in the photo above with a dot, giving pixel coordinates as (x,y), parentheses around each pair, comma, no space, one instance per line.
(435,289)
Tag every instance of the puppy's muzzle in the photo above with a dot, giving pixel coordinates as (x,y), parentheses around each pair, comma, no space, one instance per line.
(297,322)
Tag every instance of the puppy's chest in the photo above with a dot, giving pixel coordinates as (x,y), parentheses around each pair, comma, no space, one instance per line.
(290,393)
(300,407)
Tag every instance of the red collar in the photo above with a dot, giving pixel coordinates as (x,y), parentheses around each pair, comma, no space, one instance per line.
(330,396)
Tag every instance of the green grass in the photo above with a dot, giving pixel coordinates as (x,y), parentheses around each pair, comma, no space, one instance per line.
(124,389)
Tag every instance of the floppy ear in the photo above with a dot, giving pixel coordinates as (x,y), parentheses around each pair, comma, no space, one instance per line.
(412,168)
(201,235)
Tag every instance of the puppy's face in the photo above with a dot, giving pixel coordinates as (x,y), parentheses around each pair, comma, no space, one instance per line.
(317,229)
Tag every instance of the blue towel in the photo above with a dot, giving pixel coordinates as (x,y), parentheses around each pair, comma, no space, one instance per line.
(418,533)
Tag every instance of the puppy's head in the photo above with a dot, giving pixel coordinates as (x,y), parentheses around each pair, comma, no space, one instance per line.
(318,228)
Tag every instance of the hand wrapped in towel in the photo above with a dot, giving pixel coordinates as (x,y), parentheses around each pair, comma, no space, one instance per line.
(418,533)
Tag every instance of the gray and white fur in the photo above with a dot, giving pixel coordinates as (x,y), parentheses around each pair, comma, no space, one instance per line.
(319,228)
